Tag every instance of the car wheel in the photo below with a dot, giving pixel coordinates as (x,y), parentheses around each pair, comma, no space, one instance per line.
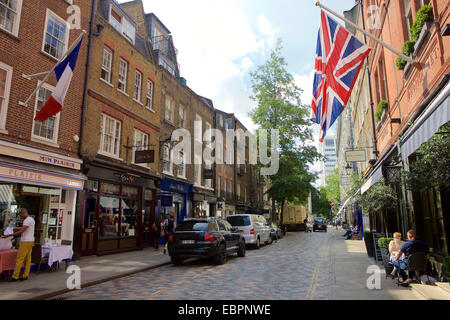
(241,251)
(176,261)
(221,256)
(258,243)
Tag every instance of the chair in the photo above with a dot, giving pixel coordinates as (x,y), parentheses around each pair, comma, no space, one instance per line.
(357,236)
(36,256)
(417,263)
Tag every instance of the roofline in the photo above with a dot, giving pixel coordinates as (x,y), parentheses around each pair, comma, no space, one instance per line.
(154,15)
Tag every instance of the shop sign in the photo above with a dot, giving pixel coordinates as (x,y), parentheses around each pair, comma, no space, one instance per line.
(355,156)
(125,178)
(221,206)
(145,156)
(43,158)
(20,175)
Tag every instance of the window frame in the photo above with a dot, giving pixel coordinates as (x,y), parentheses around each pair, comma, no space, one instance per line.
(67,34)
(50,88)
(102,134)
(138,89)
(170,172)
(111,53)
(4,106)
(16,24)
(183,176)
(149,97)
(123,29)
(169,102)
(125,83)
(181,120)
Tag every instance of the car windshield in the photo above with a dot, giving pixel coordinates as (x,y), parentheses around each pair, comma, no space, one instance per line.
(318,220)
(239,221)
(192,225)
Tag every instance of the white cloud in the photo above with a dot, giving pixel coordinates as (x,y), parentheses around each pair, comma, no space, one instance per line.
(217,45)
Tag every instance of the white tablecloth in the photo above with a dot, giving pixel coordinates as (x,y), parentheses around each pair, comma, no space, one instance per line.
(57,253)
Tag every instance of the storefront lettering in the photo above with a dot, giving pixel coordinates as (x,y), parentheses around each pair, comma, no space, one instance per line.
(25,174)
(57,162)
(177,187)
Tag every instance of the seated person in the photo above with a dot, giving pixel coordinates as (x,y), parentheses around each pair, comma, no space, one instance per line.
(349,233)
(408,248)
(394,248)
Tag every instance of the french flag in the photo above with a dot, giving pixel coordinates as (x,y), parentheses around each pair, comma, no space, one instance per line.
(64,73)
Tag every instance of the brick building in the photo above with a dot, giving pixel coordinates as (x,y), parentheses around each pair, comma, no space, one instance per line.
(412,101)
(120,138)
(39,161)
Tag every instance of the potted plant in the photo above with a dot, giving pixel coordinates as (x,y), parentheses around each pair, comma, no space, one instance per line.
(381,111)
(383,243)
(368,240)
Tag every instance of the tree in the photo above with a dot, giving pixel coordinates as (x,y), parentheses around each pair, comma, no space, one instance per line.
(332,187)
(320,203)
(280,107)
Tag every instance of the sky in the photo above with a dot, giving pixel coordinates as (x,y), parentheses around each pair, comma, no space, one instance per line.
(220,41)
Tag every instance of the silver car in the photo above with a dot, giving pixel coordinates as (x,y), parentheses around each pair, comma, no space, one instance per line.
(255,228)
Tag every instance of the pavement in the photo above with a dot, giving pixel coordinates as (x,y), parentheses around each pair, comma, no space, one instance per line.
(301,266)
(94,270)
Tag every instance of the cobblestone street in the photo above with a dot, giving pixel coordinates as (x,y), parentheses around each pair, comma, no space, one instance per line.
(298,267)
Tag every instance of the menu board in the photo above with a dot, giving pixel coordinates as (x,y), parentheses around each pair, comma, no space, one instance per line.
(377,254)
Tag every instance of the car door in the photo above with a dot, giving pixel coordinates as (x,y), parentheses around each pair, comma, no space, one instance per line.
(235,236)
(226,234)
(266,227)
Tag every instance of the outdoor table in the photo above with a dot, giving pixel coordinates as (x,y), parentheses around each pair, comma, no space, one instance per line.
(7,260)
(57,253)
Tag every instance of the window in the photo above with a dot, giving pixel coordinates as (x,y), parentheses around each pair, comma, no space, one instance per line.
(209,133)
(383,85)
(138,86)
(181,116)
(238,191)
(110,130)
(149,99)
(218,185)
(170,104)
(181,165)
(10,15)
(107,65)
(56,35)
(122,25)
(408,15)
(225,188)
(245,194)
(5,89)
(141,143)
(167,166)
(47,130)
(230,187)
(123,74)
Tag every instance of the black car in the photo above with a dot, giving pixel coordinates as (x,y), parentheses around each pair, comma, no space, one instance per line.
(205,238)
(319,224)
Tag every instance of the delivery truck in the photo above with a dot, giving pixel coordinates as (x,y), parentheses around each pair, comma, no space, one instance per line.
(294,217)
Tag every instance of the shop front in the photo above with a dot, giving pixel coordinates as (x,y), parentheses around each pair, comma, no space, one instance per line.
(117,210)
(48,192)
(203,203)
(174,198)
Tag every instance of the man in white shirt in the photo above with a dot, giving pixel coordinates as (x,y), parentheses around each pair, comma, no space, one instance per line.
(26,245)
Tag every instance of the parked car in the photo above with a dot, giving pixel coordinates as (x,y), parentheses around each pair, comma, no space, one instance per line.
(275,232)
(205,238)
(319,224)
(255,228)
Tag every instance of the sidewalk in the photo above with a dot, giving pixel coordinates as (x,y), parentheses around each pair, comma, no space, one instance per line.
(349,273)
(94,270)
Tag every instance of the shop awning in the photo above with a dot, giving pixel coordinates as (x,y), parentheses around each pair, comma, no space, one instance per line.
(436,115)
(374,178)
(347,202)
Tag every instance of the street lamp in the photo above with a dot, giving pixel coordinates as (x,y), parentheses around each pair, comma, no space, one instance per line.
(349,169)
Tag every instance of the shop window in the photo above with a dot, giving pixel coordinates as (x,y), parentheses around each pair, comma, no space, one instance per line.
(47,130)
(108,219)
(109,188)
(56,35)
(129,215)
(106,73)
(10,15)
(5,88)
(91,186)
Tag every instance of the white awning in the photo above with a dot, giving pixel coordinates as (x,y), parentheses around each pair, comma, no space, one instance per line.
(435,116)
(374,178)
(347,201)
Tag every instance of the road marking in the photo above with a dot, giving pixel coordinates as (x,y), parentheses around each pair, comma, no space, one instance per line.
(312,288)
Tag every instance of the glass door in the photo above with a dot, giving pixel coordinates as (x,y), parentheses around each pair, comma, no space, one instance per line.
(90,226)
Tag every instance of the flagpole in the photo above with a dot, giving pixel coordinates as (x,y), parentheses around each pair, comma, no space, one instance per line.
(384,44)
(25,104)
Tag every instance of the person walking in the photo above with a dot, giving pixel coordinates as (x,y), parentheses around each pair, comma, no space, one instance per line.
(169,228)
(156,228)
(26,245)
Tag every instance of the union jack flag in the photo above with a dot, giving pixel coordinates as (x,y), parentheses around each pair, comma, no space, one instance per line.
(339,58)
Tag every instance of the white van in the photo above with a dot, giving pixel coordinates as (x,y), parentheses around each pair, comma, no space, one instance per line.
(255,228)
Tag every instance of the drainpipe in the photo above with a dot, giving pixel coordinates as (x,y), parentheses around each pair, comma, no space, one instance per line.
(374,132)
(83,108)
